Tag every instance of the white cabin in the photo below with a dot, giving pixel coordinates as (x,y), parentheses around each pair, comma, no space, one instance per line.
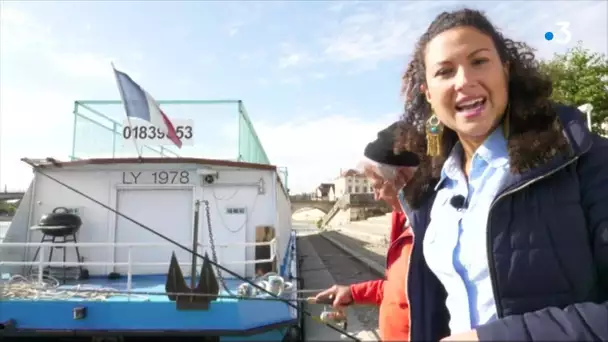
(244,200)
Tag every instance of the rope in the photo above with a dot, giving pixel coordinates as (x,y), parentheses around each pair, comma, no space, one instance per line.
(21,287)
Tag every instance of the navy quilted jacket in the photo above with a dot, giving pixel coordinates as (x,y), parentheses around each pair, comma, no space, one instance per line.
(547,250)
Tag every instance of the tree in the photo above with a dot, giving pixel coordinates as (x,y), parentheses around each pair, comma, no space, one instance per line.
(579,77)
(7,208)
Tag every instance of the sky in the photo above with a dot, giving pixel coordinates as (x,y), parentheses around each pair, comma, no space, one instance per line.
(318,78)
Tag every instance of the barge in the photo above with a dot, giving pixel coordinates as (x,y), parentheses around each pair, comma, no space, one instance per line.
(167,246)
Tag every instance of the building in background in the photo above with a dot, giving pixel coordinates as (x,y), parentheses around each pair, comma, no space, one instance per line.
(348,182)
(326,192)
(351,182)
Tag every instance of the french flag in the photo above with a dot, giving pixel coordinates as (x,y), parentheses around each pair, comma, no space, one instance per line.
(139,104)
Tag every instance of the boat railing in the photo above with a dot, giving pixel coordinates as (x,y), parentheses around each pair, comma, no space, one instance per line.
(44,246)
(98,132)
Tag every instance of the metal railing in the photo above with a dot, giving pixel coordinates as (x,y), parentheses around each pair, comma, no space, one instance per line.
(41,262)
(98,134)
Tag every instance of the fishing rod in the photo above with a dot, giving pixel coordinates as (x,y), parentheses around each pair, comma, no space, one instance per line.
(177,244)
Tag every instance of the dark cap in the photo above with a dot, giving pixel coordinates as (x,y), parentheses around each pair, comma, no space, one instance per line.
(381,150)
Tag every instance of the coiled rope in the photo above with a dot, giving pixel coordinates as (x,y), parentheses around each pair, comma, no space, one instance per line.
(29,288)
(21,287)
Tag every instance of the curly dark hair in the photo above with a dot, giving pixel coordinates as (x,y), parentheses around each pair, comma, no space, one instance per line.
(533,134)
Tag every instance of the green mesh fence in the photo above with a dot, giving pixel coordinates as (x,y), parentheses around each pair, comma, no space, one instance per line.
(250,147)
(98,132)
(283,175)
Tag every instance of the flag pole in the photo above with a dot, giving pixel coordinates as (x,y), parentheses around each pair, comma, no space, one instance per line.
(122,97)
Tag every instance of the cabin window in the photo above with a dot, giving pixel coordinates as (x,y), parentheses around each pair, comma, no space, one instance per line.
(264,234)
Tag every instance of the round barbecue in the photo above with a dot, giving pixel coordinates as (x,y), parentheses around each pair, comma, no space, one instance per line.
(59,223)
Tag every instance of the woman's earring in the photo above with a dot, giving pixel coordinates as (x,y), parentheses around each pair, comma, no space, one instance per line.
(505,122)
(433,136)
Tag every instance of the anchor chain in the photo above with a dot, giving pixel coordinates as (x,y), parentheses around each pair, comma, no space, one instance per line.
(213,250)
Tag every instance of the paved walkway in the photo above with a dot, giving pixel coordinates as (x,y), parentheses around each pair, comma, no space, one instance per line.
(317,275)
(369,253)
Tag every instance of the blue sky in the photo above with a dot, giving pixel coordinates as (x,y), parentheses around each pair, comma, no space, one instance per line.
(318,78)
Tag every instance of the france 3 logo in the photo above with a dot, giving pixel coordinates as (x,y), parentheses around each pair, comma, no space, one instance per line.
(563,35)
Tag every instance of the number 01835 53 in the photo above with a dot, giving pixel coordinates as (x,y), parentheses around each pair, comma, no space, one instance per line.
(148,134)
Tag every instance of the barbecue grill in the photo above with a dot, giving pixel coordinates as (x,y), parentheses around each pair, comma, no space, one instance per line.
(60,226)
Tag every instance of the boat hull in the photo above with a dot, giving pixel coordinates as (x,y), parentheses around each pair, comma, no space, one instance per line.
(146,314)
(146,310)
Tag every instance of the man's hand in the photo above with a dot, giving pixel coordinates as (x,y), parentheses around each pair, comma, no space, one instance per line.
(340,294)
(470,336)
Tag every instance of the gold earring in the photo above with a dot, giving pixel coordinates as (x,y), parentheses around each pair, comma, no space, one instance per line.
(433,136)
(505,122)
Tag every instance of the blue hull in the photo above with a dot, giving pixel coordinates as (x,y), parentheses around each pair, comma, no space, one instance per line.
(146,313)
(151,312)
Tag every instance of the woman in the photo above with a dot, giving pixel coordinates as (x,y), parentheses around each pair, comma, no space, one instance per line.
(509,206)
(386,172)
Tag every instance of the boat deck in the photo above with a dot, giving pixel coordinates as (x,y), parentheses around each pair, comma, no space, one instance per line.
(144,288)
(144,312)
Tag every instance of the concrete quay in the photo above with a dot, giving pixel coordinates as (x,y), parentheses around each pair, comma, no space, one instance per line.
(366,241)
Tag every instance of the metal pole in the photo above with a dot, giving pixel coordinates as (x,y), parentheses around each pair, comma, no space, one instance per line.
(0,149)
(197,207)
(76,113)
(122,97)
(114,133)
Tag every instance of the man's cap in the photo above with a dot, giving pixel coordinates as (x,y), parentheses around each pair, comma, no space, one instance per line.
(381,150)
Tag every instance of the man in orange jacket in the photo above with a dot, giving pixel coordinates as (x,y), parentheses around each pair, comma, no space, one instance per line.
(387,172)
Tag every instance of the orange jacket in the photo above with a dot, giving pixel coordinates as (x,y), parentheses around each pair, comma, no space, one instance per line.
(394,310)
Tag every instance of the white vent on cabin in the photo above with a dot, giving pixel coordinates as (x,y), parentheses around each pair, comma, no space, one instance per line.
(233,211)
(207,176)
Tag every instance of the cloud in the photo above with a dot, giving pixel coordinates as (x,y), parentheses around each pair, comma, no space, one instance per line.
(291,60)
(583,17)
(19,32)
(370,33)
(369,36)
(319,75)
(357,35)
(337,6)
(38,90)
(35,124)
(291,56)
(315,150)
(23,34)
(291,80)
(82,65)
(234,28)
